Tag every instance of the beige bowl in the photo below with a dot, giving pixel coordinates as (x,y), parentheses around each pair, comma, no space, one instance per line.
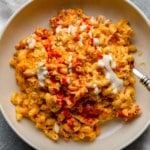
(115,134)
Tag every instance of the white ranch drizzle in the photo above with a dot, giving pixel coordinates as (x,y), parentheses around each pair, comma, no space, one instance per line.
(83,27)
(93,20)
(108,63)
(41,73)
(90,34)
(96,89)
(58,29)
(31,42)
(56,127)
(72,29)
(96,42)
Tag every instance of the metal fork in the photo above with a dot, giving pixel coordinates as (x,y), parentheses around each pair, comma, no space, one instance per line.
(143,79)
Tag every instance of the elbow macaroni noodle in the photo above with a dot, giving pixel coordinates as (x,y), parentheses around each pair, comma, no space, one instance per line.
(76,75)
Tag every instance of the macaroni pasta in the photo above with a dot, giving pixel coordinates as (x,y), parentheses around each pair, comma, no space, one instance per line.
(76,75)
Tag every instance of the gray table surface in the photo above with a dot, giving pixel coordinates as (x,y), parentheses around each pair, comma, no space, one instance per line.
(8,138)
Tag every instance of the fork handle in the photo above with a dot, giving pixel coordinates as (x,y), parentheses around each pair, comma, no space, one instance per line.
(146,81)
(143,78)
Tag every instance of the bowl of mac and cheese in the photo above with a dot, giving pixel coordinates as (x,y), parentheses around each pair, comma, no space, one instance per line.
(72,74)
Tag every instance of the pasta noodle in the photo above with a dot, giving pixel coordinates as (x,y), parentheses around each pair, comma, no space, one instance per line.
(76,75)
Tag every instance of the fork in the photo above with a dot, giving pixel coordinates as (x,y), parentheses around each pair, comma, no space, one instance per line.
(145,80)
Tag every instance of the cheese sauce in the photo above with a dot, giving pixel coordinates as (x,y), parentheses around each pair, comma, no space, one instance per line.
(70,63)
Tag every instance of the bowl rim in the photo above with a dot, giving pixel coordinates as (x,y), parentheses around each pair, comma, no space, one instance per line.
(129,2)
(25,4)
